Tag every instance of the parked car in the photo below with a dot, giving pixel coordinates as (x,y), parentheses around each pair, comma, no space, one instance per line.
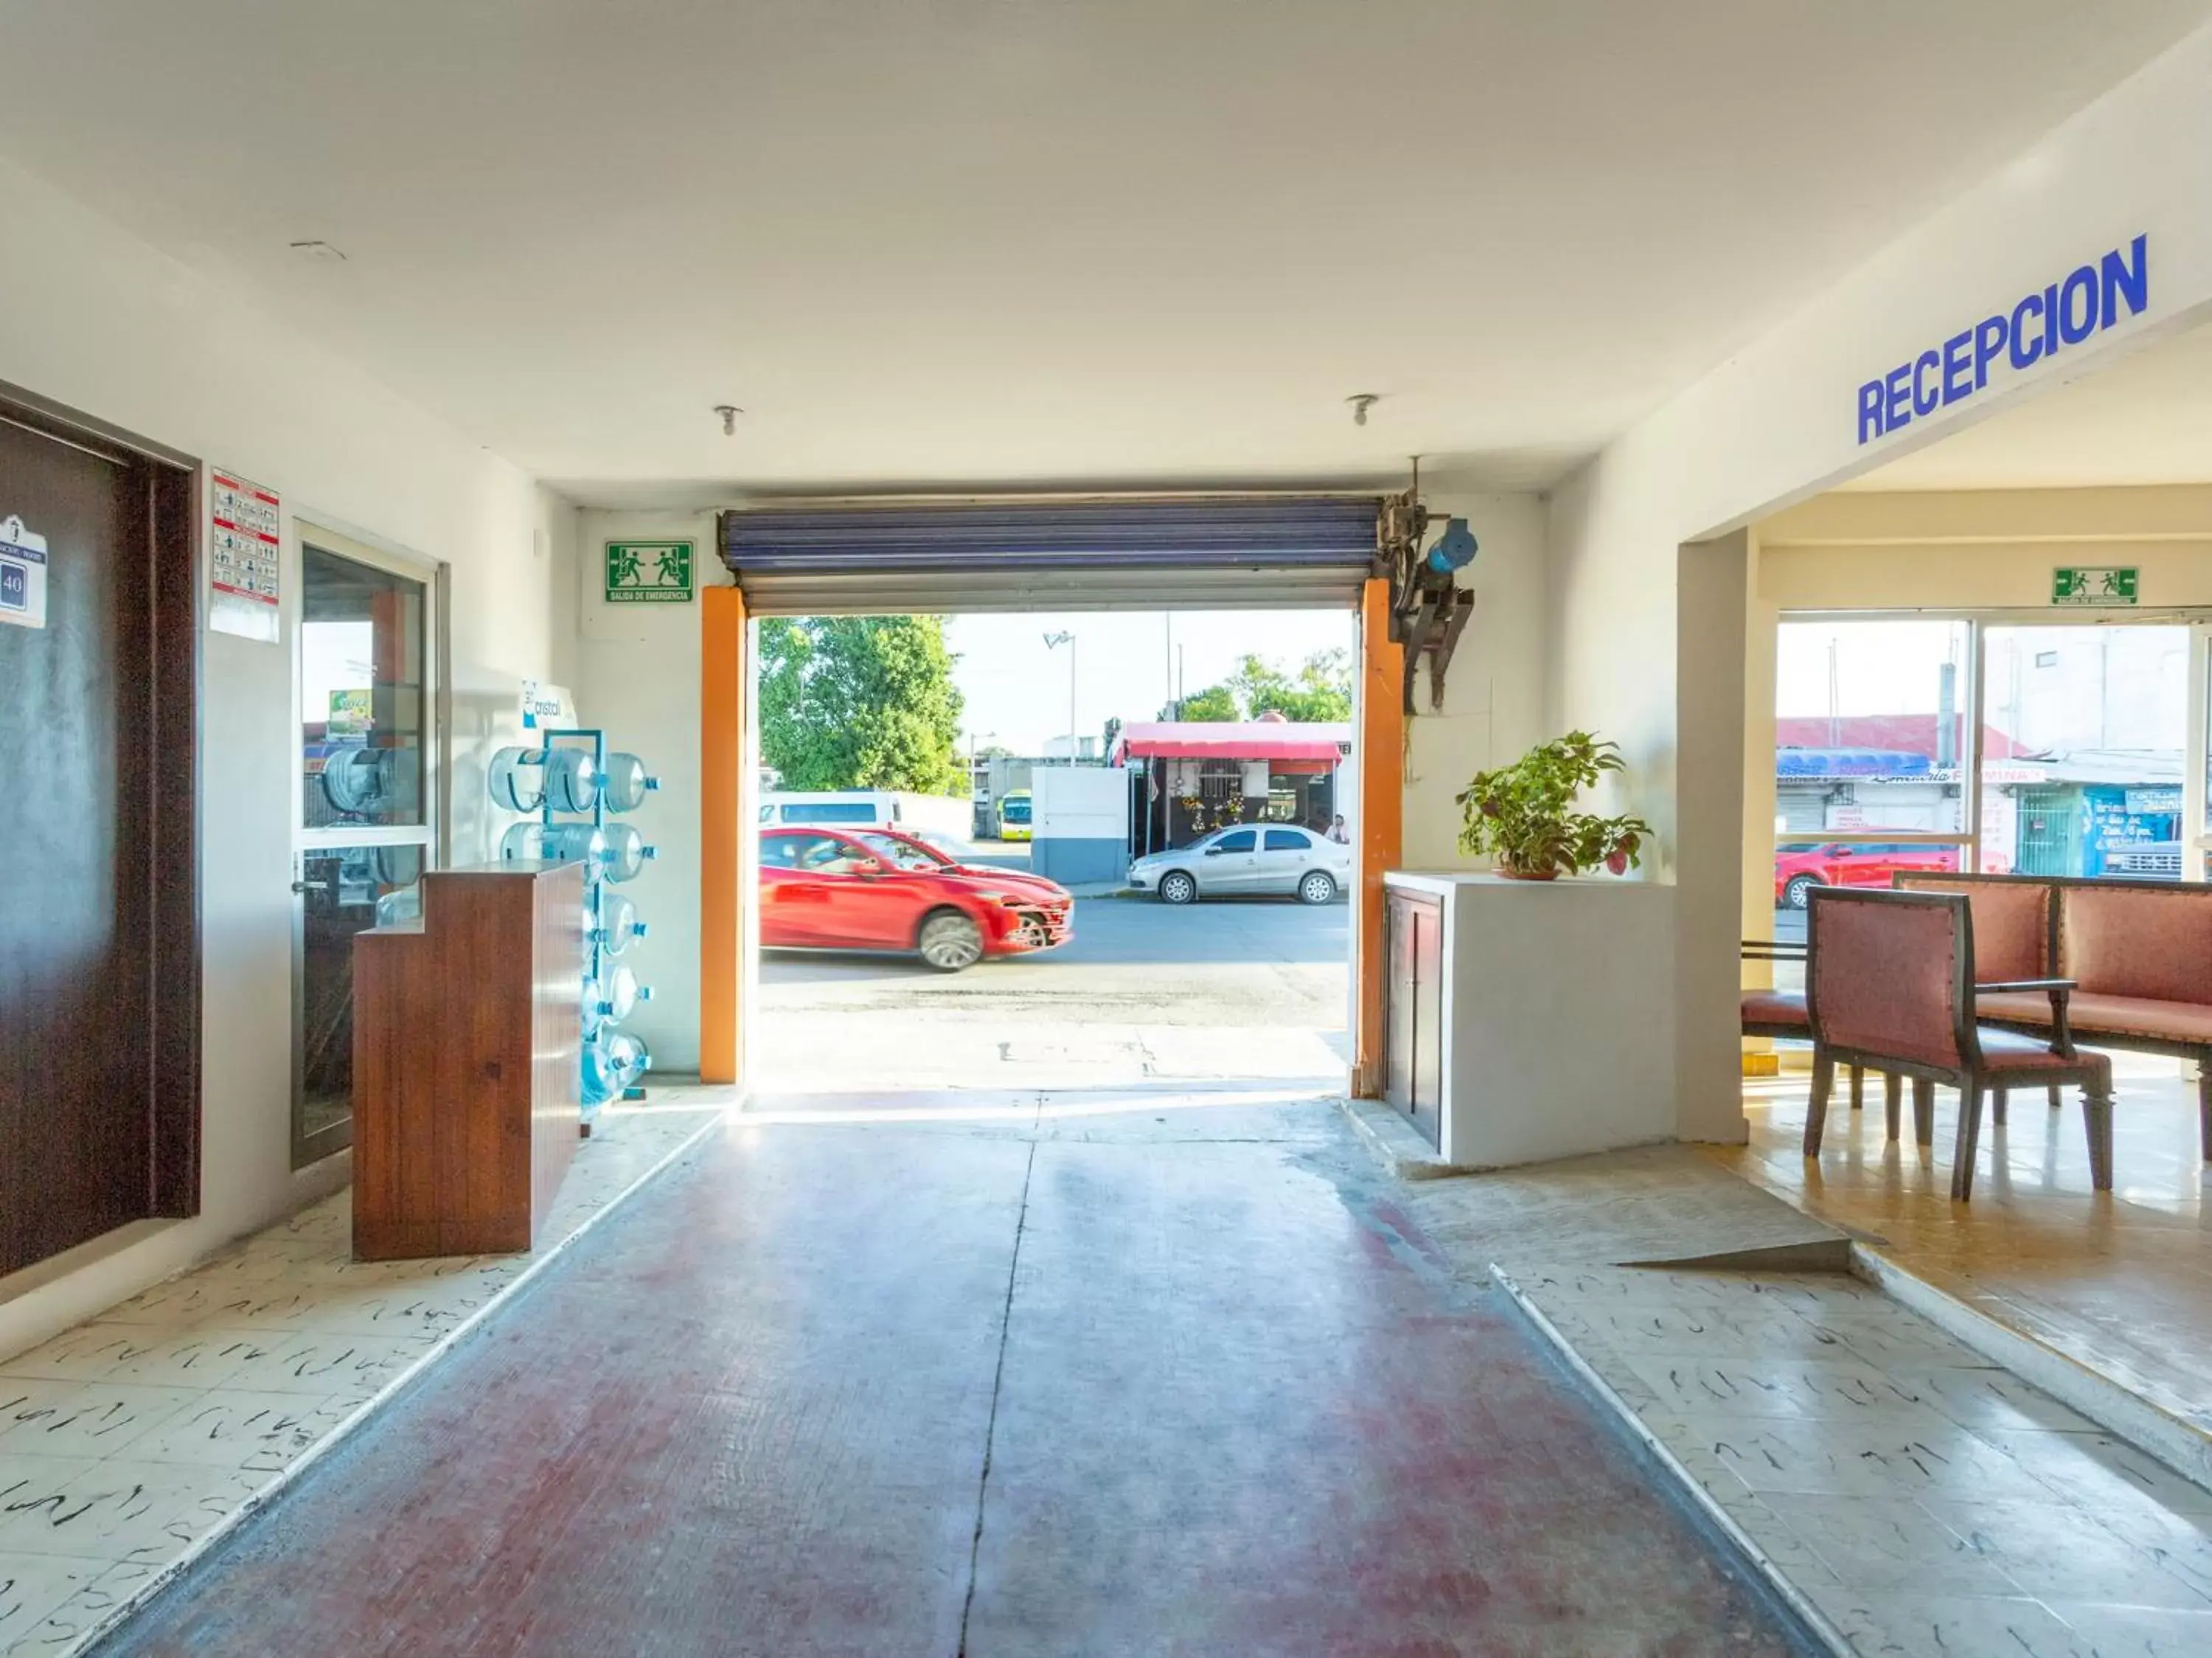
(1248,857)
(1799,868)
(873,889)
(1015,814)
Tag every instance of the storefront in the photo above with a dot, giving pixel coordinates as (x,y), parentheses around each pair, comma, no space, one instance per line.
(1192,776)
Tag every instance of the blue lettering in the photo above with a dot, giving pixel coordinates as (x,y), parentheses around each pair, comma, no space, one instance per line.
(1989,340)
(2130,281)
(1954,366)
(1923,397)
(1870,410)
(2113,288)
(2081,285)
(2031,305)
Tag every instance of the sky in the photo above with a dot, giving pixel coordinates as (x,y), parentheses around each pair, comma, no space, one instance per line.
(1017,689)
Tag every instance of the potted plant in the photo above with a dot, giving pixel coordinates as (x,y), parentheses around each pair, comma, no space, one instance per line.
(1519,814)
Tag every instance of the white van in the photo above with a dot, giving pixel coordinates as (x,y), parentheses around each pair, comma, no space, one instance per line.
(845,808)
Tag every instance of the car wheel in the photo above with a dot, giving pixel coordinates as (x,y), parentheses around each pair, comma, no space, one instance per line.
(1176,887)
(949,941)
(1794,892)
(1318,886)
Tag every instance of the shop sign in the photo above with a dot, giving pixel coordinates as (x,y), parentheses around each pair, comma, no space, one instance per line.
(2094,584)
(244,558)
(2158,798)
(2087,301)
(22,574)
(650,572)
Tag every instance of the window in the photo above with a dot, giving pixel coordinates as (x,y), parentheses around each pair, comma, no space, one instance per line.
(1287,841)
(830,812)
(1236,840)
(905,854)
(368,779)
(797,852)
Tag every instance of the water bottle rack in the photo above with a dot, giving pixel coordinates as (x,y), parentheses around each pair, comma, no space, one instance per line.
(596,956)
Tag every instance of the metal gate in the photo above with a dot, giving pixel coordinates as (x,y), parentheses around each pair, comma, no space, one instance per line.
(1093,552)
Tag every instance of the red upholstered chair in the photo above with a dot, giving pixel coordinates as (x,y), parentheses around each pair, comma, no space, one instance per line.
(1890,985)
(1781,1014)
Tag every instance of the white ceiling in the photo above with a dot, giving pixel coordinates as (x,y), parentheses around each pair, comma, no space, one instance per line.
(974,242)
(2145,419)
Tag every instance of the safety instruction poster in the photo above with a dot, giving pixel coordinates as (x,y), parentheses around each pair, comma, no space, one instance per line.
(246,551)
(22,574)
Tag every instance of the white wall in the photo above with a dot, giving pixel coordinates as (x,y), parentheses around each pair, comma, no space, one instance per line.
(96,320)
(1494,693)
(1778,422)
(1081,802)
(640,679)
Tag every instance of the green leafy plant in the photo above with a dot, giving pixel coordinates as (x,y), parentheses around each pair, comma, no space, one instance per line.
(1520,813)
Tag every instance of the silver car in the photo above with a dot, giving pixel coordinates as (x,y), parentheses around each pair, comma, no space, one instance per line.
(1248,857)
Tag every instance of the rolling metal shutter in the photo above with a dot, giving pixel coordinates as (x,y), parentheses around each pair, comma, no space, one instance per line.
(1251,552)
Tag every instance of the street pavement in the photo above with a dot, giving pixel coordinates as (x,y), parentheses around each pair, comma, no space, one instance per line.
(1144,994)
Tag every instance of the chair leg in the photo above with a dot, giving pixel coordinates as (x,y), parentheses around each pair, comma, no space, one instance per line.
(2097,1118)
(1923,1111)
(2057,1096)
(1968,1144)
(2205,1106)
(1893,1095)
(1816,1112)
(1858,1087)
(1997,1106)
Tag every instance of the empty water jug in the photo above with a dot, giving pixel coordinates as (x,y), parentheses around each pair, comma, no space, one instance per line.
(624,784)
(556,843)
(626,852)
(619,927)
(517,778)
(572,779)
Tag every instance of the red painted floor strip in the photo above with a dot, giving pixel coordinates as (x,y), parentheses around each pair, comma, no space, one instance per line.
(1229,1408)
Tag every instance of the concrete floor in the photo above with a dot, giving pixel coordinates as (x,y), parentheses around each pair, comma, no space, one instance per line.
(1155,1378)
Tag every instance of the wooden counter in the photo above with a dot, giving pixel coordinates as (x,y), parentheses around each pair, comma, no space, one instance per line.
(467,1027)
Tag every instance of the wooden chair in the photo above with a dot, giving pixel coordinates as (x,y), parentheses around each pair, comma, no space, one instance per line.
(1781,1014)
(1890,985)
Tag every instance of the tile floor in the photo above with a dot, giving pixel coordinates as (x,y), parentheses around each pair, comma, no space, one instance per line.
(2119,1281)
(128,1444)
(1921,1501)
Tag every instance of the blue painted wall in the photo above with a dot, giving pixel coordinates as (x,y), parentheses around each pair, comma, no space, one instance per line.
(1073,863)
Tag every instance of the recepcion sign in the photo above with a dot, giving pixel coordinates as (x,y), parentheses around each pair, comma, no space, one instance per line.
(650,572)
(22,574)
(2094,584)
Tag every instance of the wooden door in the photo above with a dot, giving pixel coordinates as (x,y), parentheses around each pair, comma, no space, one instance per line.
(99,954)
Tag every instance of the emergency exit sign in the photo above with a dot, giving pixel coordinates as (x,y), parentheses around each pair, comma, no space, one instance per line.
(2094,584)
(650,572)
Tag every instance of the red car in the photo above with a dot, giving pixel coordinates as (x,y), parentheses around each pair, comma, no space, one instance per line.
(1798,870)
(874,889)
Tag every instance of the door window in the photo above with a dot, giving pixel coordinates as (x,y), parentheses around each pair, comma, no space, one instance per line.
(1236,840)
(368,779)
(1287,841)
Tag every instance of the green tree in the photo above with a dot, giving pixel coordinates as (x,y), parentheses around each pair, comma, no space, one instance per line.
(1216,702)
(860,702)
(1320,691)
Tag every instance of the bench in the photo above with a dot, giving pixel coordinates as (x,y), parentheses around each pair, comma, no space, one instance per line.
(2137,954)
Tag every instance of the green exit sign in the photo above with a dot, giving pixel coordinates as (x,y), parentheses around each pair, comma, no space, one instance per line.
(2094,584)
(650,572)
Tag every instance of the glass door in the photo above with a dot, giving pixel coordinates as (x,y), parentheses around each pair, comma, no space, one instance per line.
(368,769)
(2084,750)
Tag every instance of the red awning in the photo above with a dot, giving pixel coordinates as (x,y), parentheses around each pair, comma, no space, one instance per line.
(1208,739)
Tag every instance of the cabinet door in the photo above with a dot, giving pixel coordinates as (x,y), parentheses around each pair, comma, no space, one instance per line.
(1398,1003)
(1427,1106)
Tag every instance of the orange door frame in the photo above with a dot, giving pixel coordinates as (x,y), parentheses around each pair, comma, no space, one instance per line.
(726,683)
(1381,822)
